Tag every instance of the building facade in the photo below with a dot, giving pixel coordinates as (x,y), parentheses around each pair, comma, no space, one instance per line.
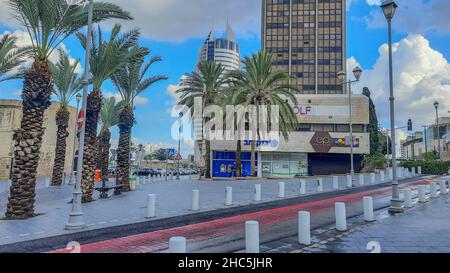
(224,51)
(10,118)
(434,137)
(413,147)
(319,146)
(308,40)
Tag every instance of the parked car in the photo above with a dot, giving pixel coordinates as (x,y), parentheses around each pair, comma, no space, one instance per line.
(145,172)
(112,170)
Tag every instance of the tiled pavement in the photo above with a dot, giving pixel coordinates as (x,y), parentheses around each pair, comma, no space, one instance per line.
(422,229)
(52,204)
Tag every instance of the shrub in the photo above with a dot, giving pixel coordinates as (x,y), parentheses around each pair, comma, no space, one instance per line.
(428,167)
(377,161)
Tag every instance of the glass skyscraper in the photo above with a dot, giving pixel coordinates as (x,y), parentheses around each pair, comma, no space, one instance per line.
(308,40)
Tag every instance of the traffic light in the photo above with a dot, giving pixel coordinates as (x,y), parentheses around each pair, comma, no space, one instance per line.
(410,125)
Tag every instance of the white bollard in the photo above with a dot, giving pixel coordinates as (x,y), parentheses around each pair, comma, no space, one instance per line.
(419,170)
(368,209)
(413,171)
(257,197)
(372,178)
(382,176)
(304,228)
(47,182)
(281,189)
(335,183)
(190,176)
(251,237)
(151,204)
(177,245)
(443,187)
(341,217)
(349,181)
(407,196)
(320,185)
(391,173)
(434,190)
(303,187)
(228,196)
(422,194)
(361,179)
(171,176)
(195,200)
(138,180)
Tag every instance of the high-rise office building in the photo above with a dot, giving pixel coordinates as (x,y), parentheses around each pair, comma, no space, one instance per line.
(308,40)
(224,51)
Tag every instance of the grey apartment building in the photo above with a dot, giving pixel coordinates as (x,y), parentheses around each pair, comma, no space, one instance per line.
(307,39)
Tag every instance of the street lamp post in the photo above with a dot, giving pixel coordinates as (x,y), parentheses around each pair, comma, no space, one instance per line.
(436,106)
(389,7)
(357,72)
(79,97)
(76,221)
(180,129)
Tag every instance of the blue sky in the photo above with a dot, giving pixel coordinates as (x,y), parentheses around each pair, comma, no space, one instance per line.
(178,43)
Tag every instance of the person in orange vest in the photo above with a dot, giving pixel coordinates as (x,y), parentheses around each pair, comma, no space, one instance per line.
(98,176)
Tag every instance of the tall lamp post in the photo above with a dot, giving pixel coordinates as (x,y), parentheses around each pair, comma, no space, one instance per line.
(389,7)
(180,129)
(79,97)
(436,106)
(76,221)
(357,72)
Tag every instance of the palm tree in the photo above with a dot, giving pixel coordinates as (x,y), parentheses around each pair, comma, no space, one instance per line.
(66,85)
(206,83)
(260,85)
(49,23)
(109,118)
(106,58)
(11,57)
(130,81)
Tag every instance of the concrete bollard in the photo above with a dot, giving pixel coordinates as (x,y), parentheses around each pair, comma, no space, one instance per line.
(335,183)
(195,200)
(443,187)
(434,190)
(177,245)
(251,237)
(349,181)
(419,170)
(47,182)
(368,209)
(382,175)
(407,196)
(228,196)
(361,179)
(341,216)
(303,187)
(190,176)
(257,197)
(422,194)
(281,189)
(304,228)
(413,171)
(372,178)
(391,174)
(320,185)
(171,176)
(151,206)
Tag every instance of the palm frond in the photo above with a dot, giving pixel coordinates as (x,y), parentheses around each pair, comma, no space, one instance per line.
(11,58)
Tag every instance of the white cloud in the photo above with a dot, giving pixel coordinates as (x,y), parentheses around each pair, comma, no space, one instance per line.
(421,76)
(414,16)
(137,101)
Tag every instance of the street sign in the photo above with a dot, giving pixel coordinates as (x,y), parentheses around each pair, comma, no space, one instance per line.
(171,152)
(178,157)
(80,119)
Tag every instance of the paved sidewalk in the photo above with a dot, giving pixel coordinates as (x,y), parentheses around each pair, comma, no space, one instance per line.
(173,199)
(422,229)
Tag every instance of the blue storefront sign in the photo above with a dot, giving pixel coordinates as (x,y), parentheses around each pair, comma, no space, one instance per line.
(224,164)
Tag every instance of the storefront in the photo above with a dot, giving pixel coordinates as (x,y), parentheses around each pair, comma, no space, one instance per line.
(224,164)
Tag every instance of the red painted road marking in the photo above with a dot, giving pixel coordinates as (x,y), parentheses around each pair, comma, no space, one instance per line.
(158,240)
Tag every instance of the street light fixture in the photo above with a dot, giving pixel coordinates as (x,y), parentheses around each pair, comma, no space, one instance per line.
(341,75)
(436,106)
(76,221)
(389,7)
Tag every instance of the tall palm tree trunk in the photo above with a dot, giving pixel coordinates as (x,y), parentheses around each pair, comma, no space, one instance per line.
(239,158)
(103,155)
(208,159)
(38,86)
(126,122)
(94,106)
(62,122)
(253,159)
